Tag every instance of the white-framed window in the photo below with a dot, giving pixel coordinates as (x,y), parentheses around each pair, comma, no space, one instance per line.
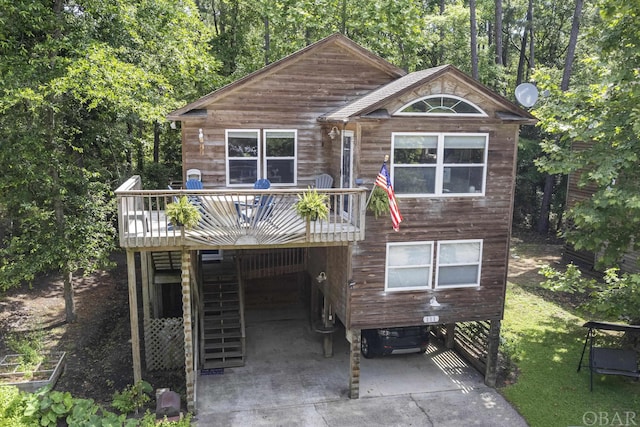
(409,266)
(439,164)
(458,263)
(440,105)
(252,154)
(280,152)
(243,153)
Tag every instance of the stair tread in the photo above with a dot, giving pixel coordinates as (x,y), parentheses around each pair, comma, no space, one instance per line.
(224,316)
(218,335)
(226,364)
(222,355)
(225,345)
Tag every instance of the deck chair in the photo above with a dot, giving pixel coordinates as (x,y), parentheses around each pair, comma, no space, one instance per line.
(262,184)
(324,181)
(261,207)
(194,174)
(194,180)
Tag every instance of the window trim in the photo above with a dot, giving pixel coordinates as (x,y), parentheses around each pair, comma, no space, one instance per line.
(437,264)
(434,266)
(480,113)
(440,165)
(228,158)
(429,284)
(294,158)
(261,159)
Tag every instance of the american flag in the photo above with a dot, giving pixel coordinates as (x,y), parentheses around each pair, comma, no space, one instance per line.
(384,181)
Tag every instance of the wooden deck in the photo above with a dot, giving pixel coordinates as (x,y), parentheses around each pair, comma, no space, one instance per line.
(235,218)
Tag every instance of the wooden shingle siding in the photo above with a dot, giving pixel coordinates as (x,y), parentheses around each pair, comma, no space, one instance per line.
(292,99)
(436,219)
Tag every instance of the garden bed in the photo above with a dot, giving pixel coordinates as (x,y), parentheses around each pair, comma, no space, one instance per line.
(47,372)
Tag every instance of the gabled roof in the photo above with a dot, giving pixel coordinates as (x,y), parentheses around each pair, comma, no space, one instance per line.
(374,99)
(336,38)
(369,104)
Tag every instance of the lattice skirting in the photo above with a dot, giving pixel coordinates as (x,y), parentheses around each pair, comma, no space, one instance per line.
(164,344)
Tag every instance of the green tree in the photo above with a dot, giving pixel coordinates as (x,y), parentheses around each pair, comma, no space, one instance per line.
(77,79)
(601,112)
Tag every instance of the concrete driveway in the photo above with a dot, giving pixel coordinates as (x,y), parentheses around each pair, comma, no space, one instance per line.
(287,382)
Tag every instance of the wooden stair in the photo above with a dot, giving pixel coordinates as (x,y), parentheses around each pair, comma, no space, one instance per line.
(223,329)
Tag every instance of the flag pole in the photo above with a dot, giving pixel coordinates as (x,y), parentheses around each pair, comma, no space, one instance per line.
(386,159)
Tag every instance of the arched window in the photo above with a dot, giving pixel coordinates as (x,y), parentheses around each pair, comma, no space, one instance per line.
(440,105)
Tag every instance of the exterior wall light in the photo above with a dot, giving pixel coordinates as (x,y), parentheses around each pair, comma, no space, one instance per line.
(333,133)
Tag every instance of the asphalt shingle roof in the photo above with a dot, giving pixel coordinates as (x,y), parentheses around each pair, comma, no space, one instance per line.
(378,96)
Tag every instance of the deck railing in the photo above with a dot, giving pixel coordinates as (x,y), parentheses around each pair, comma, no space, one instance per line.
(236,218)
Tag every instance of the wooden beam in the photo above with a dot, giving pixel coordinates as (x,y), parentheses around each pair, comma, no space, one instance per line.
(491,371)
(450,336)
(144,278)
(188,330)
(327,316)
(353,336)
(133,316)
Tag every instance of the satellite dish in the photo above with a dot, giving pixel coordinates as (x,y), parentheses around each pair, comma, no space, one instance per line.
(527,94)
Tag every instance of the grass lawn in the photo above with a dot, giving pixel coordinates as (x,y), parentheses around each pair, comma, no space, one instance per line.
(546,341)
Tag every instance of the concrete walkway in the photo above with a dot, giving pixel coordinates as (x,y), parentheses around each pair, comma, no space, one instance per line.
(287,382)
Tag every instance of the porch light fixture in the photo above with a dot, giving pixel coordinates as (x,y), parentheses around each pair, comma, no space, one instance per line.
(321,277)
(434,302)
(334,132)
(201,139)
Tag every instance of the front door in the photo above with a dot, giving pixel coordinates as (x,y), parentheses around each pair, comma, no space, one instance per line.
(346,170)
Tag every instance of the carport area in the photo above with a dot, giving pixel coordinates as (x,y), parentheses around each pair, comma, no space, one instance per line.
(287,381)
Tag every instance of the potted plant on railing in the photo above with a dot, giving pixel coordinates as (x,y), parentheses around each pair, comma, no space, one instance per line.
(312,205)
(182,213)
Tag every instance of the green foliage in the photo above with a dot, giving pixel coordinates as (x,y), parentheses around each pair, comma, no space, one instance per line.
(86,413)
(548,341)
(149,420)
(47,407)
(82,87)
(600,112)
(569,281)
(159,175)
(132,398)
(28,347)
(53,408)
(379,202)
(312,205)
(183,213)
(615,297)
(12,407)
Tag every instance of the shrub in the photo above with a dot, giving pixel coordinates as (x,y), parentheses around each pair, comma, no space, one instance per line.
(132,398)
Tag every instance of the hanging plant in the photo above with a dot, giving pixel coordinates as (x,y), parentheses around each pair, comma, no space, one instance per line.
(378,202)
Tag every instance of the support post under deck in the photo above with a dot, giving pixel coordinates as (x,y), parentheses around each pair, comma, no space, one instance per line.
(353,336)
(491,372)
(188,330)
(133,316)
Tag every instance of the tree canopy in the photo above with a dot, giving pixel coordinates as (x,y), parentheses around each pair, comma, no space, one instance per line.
(81,81)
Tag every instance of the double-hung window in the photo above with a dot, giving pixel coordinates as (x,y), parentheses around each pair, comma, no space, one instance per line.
(410,265)
(458,263)
(439,164)
(254,154)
